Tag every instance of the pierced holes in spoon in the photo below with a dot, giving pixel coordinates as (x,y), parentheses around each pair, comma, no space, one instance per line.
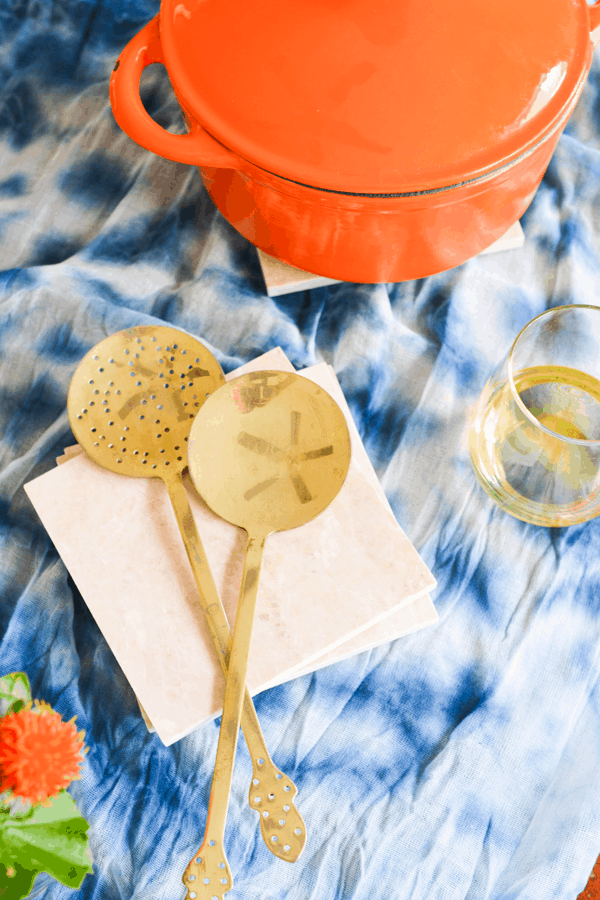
(223,881)
(260,762)
(206,880)
(282,822)
(258,800)
(271,796)
(297,831)
(286,808)
(287,787)
(279,776)
(191,877)
(199,860)
(274,838)
(221,865)
(192,894)
(286,847)
(266,813)
(255,781)
(211,843)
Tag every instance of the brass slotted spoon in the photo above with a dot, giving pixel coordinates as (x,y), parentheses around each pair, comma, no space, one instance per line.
(268,451)
(131,404)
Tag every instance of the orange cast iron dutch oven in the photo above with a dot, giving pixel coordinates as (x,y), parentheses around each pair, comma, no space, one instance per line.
(364,140)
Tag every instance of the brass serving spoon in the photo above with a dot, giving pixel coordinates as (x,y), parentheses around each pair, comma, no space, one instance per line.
(268,451)
(131,403)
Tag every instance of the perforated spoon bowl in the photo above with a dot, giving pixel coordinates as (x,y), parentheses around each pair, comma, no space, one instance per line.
(131,403)
(268,451)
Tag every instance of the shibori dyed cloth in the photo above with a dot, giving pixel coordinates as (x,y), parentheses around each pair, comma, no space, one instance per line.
(460,763)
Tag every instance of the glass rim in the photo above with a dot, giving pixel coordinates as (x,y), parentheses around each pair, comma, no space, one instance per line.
(583,442)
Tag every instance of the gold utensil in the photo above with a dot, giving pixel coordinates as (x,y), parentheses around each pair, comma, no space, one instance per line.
(131,403)
(268,451)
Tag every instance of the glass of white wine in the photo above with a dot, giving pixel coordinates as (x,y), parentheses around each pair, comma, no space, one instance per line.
(535,437)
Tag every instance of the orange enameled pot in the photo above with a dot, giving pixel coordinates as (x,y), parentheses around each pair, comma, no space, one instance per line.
(359,140)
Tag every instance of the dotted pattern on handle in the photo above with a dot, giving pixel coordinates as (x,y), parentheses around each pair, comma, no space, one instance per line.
(271,795)
(208,876)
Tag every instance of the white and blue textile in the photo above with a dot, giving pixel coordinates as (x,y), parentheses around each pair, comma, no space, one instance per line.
(460,763)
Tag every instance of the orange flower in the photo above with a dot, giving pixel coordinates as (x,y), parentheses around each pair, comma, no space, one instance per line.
(39,753)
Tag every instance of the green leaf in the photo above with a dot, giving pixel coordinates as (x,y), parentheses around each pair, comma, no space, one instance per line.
(52,839)
(15,692)
(17,884)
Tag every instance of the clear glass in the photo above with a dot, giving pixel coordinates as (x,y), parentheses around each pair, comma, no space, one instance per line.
(535,437)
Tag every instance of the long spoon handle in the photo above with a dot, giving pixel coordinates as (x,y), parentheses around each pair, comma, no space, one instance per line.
(271,791)
(211,854)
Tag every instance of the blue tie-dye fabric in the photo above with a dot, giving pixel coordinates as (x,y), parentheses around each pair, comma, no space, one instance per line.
(461,763)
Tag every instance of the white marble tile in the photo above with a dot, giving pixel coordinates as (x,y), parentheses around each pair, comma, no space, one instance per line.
(331,588)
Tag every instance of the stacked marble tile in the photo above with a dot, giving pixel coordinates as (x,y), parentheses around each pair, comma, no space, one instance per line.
(342,584)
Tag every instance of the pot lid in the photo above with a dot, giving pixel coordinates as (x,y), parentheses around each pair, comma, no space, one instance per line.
(377,96)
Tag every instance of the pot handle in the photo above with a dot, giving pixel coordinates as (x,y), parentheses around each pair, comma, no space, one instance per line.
(197,147)
(594,13)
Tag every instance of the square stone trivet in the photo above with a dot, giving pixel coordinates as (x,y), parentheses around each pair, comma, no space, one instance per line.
(283,279)
(332,588)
